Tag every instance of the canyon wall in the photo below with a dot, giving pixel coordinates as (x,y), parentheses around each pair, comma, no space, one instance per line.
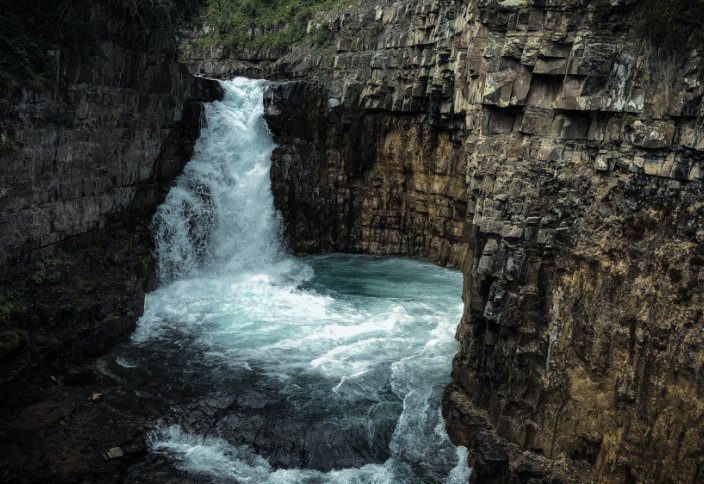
(83,167)
(336,195)
(548,151)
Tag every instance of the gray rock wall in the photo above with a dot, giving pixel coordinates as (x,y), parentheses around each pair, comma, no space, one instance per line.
(86,165)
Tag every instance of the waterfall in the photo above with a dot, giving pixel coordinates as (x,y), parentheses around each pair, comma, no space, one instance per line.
(219,216)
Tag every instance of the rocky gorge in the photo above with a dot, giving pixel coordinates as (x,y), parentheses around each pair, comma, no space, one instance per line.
(545,149)
(542,147)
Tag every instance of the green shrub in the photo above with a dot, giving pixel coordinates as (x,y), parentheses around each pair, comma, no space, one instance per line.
(283,21)
(287,36)
(49,270)
(670,25)
(320,37)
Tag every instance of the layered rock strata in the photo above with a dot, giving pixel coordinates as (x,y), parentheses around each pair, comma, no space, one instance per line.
(548,151)
(83,168)
(336,193)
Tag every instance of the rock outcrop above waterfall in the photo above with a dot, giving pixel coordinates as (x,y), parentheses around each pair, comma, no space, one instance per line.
(547,151)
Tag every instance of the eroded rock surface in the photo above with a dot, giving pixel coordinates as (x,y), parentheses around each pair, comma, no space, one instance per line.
(335,192)
(82,169)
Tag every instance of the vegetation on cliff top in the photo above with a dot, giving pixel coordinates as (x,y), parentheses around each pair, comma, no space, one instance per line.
(33,30)
(263,22)
(29,31)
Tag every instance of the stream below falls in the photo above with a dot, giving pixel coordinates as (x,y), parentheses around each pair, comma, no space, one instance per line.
(270,368)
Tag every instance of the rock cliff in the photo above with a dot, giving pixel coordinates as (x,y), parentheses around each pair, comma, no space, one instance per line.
(548,151)
(83,167)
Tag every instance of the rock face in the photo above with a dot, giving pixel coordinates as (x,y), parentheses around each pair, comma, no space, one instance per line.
(548,152)
(83,168)
(335,193)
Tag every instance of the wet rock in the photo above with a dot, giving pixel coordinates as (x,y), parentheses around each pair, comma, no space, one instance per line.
(113,453)
(490,461)
(105,140)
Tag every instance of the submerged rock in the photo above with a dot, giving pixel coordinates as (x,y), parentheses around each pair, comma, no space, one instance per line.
(81,375)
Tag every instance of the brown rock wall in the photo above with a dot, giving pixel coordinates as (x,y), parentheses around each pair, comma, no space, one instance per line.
(365,182)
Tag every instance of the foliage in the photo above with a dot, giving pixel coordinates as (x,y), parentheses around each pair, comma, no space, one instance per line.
(377,28)
(281,21)
(29,30)
(32,31)
(670,25)
(287,36)
(49,270)
(320,37)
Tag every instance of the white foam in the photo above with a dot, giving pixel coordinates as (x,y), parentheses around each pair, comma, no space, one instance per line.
(461,473)
(216,458)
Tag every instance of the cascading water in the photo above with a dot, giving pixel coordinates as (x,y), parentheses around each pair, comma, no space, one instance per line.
(220,216)
(266,368)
